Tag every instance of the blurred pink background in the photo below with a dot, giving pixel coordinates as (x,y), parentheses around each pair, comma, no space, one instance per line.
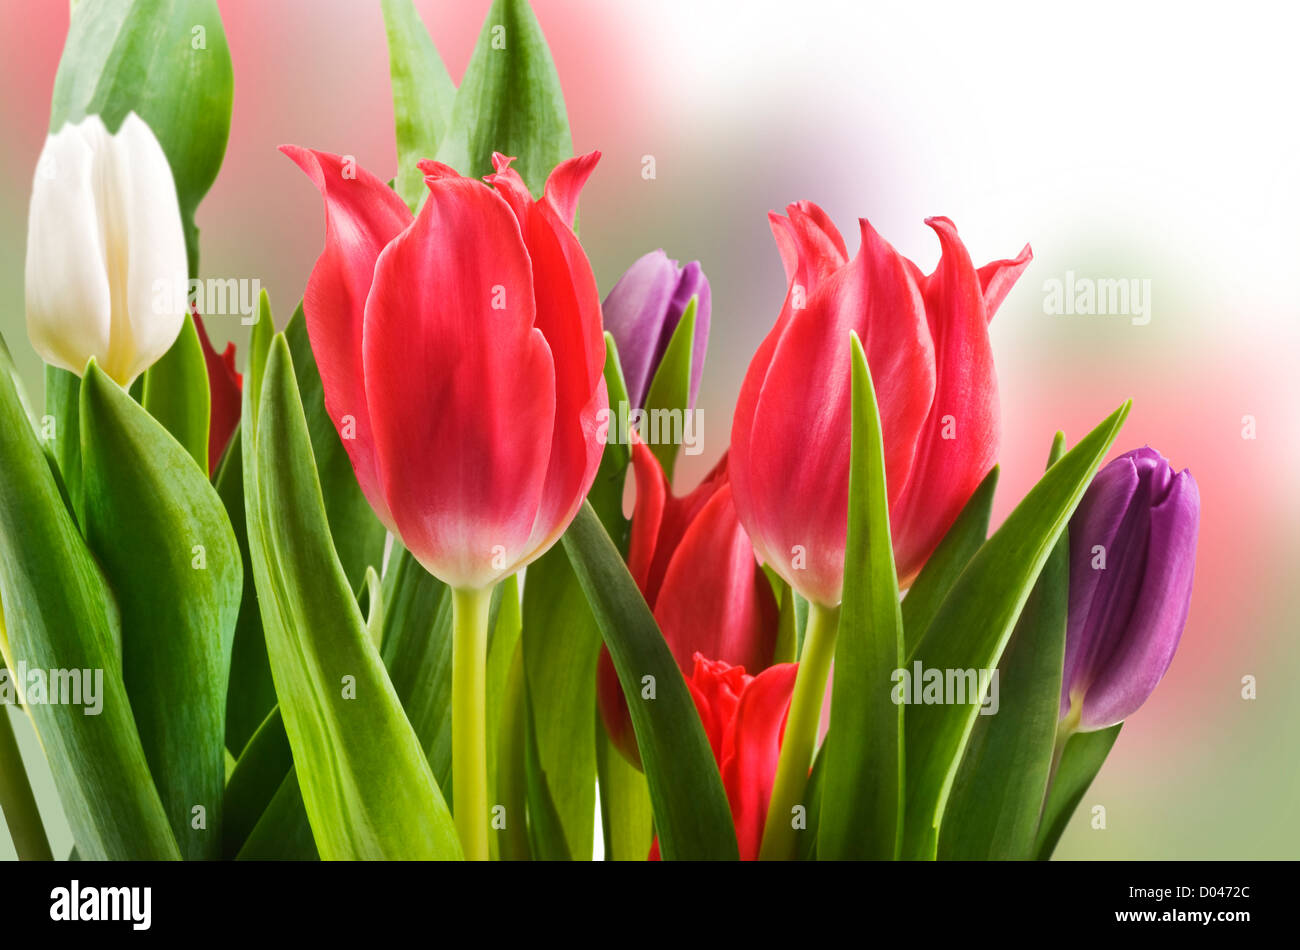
(1121,143)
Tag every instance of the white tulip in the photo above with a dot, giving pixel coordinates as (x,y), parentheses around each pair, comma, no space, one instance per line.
(104,229)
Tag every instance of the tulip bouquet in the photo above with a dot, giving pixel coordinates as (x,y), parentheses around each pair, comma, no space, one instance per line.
(379,595)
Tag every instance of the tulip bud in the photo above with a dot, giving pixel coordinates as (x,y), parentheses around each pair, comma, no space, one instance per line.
(695,566)
(642,312)
(103,232)
(926,338)
(1132,553)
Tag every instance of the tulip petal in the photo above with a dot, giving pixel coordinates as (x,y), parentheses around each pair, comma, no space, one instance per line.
(461,385)
(959,442)
(1133,665)
(145,241)
(997,278)
(715,598)
(751,752)
(565,185)
(224,386)
(69,305)
(362,215)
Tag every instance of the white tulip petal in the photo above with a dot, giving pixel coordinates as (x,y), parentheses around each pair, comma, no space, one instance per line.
(69,304)
(151,230)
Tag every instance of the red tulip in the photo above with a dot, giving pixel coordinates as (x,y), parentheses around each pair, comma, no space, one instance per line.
(224,387)
(461,354)
(695,565)
(744,717)
(926,340)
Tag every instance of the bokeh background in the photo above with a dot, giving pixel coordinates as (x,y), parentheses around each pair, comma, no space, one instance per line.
(1122,140)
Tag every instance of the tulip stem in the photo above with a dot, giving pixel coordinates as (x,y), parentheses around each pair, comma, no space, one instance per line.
(16,798)
(469,618)
(800,741)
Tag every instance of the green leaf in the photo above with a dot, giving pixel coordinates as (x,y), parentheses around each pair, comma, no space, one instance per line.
(374,608)
(504,711)
(669,396)
(997,795)
(417,653)
(366,783)
(692,817)
(423,94)
(816,777)
(60,615)
(253,784)
(250,696)
(162,537)
(861,810)
(176,393)
(976,619)
(358,534)
(627,819)
(509,101)
(283,832)
(947,562)
(1081,760)
(165,60)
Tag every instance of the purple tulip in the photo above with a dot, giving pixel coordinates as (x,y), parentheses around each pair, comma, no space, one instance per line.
(643,310)
(1132,551)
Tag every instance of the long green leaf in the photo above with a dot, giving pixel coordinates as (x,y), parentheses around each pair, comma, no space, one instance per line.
(861,812)
(59,615)
(692,817)
(1081,760)
(509,101)
(366,783)
(254,782)
(162,537)
(423,94)
(165,60)
(998,792)
(976,619)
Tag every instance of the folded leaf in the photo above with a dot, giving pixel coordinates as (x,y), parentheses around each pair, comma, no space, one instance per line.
(162,537)
(670,390)
(367,786)
(59,615)
(975,621)
(1081,760)
(176,393)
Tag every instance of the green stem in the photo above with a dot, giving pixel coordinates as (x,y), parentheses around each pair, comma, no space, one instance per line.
(17,801)
(469,617)
(800,741)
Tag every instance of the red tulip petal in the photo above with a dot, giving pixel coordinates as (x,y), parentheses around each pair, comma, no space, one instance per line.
(998,277)
(752,748)
(362,215)
(947,470)
(462,393)
(715,598)
(565,184)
